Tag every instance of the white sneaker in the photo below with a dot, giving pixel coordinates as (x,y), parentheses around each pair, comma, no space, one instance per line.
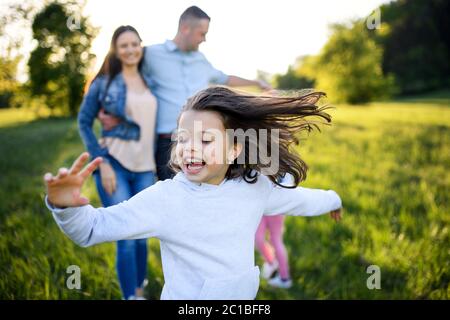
(280,283)
(269,269)
(136,298)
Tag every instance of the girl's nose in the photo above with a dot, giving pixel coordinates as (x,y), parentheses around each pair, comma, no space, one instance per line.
(192,146)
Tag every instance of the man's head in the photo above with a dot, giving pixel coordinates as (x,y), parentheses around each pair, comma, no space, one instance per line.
(192,28)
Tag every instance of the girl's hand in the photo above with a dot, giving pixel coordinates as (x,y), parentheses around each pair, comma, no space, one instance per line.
(336,215)
(64,190)
(108,177)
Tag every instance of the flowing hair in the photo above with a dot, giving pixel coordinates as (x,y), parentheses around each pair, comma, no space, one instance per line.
(287,114)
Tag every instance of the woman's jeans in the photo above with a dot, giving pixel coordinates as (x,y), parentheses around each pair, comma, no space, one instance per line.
(131,254)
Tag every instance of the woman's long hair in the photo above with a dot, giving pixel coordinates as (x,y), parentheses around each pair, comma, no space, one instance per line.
(289,115)
(112,66)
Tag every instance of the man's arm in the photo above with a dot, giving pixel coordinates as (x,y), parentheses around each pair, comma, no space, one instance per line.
(235,81)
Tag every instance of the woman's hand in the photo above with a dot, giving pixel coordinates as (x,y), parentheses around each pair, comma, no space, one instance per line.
(336,215)
(64,190)
(108,121)
(108,177)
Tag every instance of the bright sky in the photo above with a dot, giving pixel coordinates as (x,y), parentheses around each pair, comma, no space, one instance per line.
(244,35)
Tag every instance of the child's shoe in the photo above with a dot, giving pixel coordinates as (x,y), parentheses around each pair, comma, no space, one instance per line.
(136,298)
(269,269)
(280,283)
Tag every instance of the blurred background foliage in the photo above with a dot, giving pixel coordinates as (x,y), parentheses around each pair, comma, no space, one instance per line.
(387,154)
(407,53)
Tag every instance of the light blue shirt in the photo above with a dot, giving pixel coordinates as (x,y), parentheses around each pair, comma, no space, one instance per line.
(177,75)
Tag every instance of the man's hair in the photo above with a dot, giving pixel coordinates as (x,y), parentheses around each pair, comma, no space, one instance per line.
(193,13)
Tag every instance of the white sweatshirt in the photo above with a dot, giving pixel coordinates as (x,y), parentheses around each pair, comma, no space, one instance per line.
(207,232)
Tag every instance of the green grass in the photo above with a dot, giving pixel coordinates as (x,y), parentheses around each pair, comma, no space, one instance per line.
(389,162)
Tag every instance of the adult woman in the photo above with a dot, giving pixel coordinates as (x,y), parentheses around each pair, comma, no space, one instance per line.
(122,90)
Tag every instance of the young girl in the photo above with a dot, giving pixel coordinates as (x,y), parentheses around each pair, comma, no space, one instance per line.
(207,215)
(274,253)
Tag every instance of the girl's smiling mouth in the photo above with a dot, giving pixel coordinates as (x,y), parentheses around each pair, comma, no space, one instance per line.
(193,166)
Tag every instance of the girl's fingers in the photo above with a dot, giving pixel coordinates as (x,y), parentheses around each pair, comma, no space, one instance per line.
(87,171)
(335,215)
(62,172)
(82,201)
(79,163)
(48,177)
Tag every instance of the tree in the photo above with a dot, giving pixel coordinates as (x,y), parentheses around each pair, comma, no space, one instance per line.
(14,19)
(417,46)
(59,64)
(293,79)
(8,82)
(349,66)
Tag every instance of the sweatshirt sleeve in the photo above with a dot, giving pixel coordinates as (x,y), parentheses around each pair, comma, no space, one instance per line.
(300,201)
(139,217)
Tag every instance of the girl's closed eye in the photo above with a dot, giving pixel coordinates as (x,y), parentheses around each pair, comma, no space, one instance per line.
(206,139)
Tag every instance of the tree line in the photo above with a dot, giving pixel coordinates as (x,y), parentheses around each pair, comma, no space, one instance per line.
(402,48)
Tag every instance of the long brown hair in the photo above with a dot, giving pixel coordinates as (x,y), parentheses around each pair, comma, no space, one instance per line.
(289,115)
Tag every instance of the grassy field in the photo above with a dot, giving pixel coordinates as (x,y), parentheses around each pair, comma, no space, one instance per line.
(389,162)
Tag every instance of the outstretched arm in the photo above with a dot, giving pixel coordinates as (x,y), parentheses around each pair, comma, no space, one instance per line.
(303,202)
(218,77)
(235,81)
(136,218)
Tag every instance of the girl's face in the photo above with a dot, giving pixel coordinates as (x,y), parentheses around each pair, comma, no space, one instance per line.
(128,48)
(203,150)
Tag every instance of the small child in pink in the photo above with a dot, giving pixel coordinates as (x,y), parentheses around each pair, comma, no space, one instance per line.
(274,253)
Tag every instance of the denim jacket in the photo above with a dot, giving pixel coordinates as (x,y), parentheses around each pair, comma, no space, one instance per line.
(113,101)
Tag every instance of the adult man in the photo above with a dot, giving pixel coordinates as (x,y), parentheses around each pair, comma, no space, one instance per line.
(179,71)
